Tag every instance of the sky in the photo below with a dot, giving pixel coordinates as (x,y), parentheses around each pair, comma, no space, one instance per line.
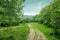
(33,7)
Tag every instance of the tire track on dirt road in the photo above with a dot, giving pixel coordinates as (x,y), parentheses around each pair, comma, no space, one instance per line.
(35,34)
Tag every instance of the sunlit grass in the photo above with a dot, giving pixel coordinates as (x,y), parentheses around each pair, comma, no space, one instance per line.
(19,32)
(46,30)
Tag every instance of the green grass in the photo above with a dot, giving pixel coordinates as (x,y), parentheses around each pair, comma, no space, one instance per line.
(19,32)
(47,31)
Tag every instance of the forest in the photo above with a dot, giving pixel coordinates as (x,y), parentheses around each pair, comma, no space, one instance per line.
(14,27)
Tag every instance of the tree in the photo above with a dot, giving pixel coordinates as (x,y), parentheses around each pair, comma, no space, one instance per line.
(10,12)
(50,16)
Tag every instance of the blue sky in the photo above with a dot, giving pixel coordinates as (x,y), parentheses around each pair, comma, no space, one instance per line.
(33,7)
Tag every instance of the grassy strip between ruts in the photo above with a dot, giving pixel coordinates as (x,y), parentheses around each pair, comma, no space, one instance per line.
(19,32)
(47,31)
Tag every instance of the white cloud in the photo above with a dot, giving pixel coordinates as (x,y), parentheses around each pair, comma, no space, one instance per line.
(32,8)
(29,14)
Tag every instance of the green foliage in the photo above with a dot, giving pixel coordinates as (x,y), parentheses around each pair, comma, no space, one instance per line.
(50,16)
(47,31)
(19,32)
(10,12)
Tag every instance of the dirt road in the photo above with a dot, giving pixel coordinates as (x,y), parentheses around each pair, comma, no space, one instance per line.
(35,34)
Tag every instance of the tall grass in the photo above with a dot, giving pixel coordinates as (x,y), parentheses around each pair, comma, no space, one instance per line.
(14,33)
(46,30)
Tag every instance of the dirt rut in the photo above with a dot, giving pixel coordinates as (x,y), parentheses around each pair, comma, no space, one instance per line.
(35,34)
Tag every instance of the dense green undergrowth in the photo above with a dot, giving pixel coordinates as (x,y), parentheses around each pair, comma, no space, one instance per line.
(46,30)
(14,33)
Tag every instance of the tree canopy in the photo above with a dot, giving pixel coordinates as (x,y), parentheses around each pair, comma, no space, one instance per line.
(50,16)
(10,11)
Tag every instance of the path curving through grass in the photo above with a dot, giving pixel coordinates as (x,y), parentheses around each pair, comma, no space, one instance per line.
(35,34)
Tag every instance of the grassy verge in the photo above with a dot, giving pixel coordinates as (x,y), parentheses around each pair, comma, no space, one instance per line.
(14,33)
(47,31)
